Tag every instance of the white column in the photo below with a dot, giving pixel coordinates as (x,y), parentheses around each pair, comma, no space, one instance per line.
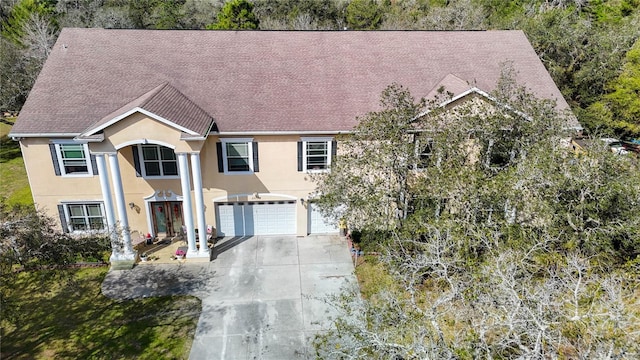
(120,204)
(187,211)
(197,189)
(106,196)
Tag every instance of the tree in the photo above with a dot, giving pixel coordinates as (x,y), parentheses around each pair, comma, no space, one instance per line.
(512,246)
(369,177)
(21,14)
(236,15)
(363,15)
(622,105)
(300,14)
(17,75)
(526,303)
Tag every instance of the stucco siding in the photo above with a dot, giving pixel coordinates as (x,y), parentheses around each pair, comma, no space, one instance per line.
(278,177)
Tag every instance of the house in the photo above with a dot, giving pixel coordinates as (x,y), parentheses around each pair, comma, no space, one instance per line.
(159,131)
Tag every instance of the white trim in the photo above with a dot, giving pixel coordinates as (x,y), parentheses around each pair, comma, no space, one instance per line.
(87,158)
(144,142)
(306,132)
(225,163)
(479,92)
(228,198)
(305,140)
(142,111)
(67,141)
(42,135)
(143,169)
(220,133)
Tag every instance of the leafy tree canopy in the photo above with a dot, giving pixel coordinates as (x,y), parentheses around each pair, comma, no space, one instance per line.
(13,28)
(236,15)
(363,15)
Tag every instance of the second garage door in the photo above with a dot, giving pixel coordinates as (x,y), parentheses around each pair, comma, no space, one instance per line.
(318,224)
(256,218)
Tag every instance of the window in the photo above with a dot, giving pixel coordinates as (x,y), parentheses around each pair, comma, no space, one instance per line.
(85,217)
(316,154)
(71,159)
(238,156)
(158,161)
(424,151)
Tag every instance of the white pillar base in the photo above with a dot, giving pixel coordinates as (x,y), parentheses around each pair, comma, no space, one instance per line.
(120,261)
(197,255)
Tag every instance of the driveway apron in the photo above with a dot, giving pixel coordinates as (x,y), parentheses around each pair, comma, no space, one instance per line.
(262,296)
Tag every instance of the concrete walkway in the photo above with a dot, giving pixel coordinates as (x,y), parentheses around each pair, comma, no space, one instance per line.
(261,296)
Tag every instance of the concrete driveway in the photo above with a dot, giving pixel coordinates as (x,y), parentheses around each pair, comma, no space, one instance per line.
(261,296)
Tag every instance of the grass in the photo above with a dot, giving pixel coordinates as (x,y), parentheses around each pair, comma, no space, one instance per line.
(14,183)
(373,278)
(62,314)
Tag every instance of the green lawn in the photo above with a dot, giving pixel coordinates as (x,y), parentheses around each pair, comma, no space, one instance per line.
(14,184)
(62,314)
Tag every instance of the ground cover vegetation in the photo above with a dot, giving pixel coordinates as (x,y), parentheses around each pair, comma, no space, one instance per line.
(588,46)
(61,314)
(497,240)
(51,304)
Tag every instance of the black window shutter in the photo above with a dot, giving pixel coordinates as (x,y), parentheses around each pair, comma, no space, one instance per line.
(63,219)
(220,159)
(334,149)
(54,158)
(299,155)
(136,160)
(94,164)
(256,165)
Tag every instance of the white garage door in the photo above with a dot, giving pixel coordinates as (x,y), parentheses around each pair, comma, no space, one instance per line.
(257,218)
(318,224)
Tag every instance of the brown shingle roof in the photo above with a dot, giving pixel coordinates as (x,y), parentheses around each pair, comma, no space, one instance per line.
(169,104)
(264,81)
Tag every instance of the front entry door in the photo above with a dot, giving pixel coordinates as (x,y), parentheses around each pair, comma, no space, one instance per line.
(167,218)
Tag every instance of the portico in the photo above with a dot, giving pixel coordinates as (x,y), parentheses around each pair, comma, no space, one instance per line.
(150,146)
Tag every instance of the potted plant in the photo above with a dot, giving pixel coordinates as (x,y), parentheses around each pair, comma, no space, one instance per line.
(180,254)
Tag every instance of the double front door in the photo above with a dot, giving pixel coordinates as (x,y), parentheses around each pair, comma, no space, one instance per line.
(167,218)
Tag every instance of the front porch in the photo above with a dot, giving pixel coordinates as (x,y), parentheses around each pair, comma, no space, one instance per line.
(164,251)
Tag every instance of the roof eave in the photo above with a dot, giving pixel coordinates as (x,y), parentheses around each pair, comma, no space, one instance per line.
(41,135)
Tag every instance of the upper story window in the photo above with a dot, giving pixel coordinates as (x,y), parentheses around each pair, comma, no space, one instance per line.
(314,154)
(158,161)
(83,216)
(237,156)
(424,149)
(71,159)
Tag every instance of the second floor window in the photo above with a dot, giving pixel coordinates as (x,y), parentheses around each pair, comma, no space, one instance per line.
(158,161)
(74,158)
(317,155)
(237,156)
(424,150)
(314,154)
